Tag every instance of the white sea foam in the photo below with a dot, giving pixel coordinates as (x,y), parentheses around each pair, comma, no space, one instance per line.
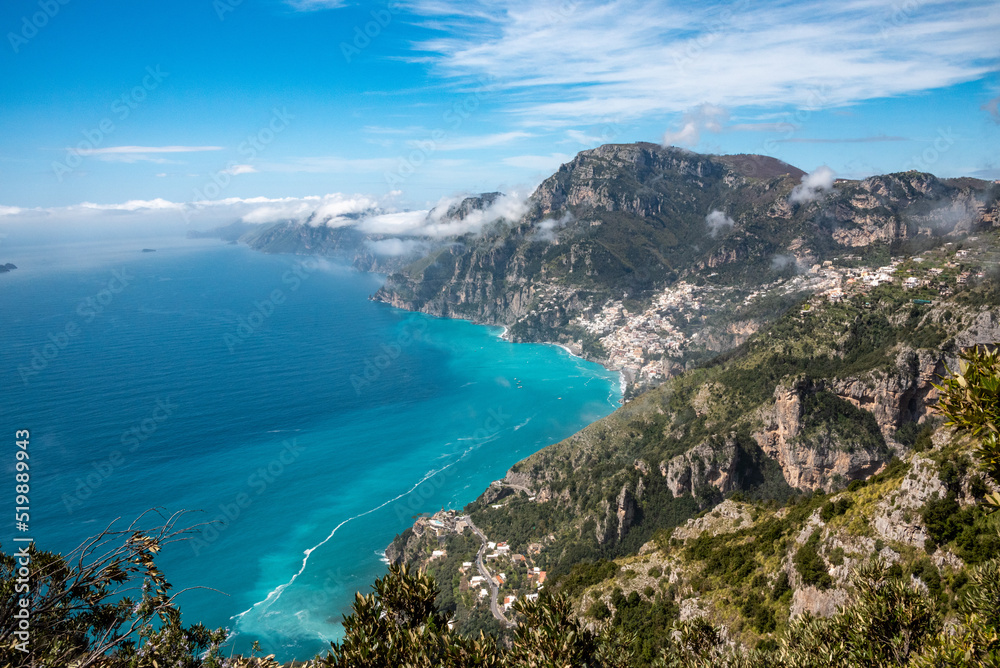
(276,593)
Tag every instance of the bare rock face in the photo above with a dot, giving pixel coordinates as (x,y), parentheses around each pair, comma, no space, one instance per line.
(626,511)
(692,608)
(897,516)
(984,328)
(591,188)
(804,467)
(882,208)
(616,519)
(897,397)
(726,517)
(817,602)
(700,466)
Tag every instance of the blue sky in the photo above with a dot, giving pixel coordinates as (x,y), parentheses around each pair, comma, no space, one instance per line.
(130,106)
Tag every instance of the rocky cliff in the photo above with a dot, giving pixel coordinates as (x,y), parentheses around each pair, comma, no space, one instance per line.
(619,221)
(813,402)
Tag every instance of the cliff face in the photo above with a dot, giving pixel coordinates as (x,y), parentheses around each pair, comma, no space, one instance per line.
(900,206)
(805,465)
(615,220)
(811,403)
(701,466)
(621,220)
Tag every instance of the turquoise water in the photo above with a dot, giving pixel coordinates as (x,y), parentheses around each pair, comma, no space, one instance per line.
(308,422)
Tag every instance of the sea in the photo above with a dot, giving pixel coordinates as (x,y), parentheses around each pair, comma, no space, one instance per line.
(268,402)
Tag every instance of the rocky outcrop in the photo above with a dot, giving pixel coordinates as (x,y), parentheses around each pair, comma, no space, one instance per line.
(726,517)
(896,397)
(617,518)
(897,516)
(899,206)
(701,466)
(806,467)
(817,602)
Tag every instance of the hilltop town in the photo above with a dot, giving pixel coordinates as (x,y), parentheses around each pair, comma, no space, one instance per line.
(651,345)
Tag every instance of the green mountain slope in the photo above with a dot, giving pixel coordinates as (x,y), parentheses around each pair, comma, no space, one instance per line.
(824,398)
(621,221)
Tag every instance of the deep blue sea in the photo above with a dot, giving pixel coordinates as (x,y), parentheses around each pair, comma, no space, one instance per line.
(271,394)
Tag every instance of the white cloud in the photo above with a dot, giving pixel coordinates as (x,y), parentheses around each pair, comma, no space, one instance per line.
(312,5)
(332,209)
(546,230)
(657,57)
(782,262)
(510,206)
(139,153)
(133,205)
(581,137)
(368,214)
(718,221)
(240,169)
(395,247)
(474,143)
(400,222)
(813,186)
(703,117)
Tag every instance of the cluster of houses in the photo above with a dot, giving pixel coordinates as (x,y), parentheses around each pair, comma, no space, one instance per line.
(500,554)
(440,523)
(939,269)
(646,345)
(639,342)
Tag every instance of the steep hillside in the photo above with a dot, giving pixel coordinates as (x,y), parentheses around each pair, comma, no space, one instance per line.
(626,222)
(830,394)
(749,568)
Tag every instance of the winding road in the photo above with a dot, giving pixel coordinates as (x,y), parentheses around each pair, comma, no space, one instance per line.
(481,567)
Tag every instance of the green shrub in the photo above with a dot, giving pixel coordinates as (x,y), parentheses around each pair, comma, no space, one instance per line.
(811,565)
(599,610)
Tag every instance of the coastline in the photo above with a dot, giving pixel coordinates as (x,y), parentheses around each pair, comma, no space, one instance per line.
(622,378)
